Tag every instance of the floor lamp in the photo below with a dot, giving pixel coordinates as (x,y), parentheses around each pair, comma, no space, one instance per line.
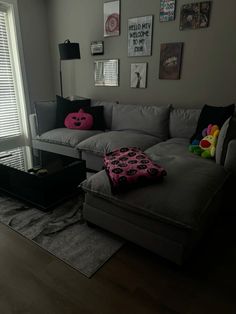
(68,51)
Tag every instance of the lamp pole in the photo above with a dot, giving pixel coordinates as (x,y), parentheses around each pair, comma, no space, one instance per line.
(61,80)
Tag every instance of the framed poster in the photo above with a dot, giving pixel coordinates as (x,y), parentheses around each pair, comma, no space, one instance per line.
(167,10)
(170,61)
(112,18)
(106,72)
(195,15)
(140,36)
(138,74)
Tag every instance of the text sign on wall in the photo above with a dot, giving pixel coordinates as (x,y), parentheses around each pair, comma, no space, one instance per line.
(140,36)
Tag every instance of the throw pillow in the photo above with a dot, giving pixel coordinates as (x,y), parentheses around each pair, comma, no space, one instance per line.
(46,115)
(79,120)
(212,115)
(129,167)
(98,117)
(66,106)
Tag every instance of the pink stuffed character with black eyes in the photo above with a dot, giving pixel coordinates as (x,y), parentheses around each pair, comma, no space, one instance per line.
(79,120)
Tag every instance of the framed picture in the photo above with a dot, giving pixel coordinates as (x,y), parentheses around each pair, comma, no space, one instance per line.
(138,74)
(170,61)
(140,36)
(195,15)
(97,48)
(106,72)
(167,10)
(112,18)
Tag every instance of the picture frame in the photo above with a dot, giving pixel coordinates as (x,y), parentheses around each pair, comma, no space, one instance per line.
(97,48)
(140,36)
(138,75)
(111,18)
(106,72)
(170,61)
(195,15)
(167,10)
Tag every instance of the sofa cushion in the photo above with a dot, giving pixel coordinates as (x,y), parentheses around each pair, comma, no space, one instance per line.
(46,115)
(101,144)
(129,167)
(183,199)
(66,136)
(171,147)
(107,111)
(183,122)
(151,120)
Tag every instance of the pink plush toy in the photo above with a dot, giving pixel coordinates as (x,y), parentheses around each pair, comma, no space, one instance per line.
(79,120)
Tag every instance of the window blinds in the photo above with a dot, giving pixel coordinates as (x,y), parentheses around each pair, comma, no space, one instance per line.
(15,158)
(9,113)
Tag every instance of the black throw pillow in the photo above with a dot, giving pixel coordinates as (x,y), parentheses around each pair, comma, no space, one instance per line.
(212,115)
(98,117)
(66,106)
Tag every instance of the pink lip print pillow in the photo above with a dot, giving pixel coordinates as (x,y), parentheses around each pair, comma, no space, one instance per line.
(79,120)
(130,167)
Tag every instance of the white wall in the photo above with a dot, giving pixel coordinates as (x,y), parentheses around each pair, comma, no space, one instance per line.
(35,38)
(208,69)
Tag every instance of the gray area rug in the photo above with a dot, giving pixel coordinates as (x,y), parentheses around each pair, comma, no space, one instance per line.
(62,232)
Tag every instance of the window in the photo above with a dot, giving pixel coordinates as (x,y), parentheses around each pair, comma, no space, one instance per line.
(13,122)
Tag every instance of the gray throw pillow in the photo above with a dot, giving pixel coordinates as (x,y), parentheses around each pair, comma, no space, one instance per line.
(46,115)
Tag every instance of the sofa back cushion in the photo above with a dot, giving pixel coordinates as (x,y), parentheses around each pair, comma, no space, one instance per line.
(107,110)
(183,122)
(45,115)
(147,119)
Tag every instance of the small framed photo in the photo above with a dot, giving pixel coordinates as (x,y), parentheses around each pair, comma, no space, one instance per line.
(195,15)
(170,61)
(140,36)
(112,18)
(167,10)
(97,48)
(138,75)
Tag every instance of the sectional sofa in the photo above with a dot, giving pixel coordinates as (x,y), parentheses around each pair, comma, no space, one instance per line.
(168,218)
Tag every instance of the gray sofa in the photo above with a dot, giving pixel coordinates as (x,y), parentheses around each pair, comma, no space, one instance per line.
(170,217)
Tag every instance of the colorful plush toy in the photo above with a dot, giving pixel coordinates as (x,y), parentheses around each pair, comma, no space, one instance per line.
(79,120)
(206,147)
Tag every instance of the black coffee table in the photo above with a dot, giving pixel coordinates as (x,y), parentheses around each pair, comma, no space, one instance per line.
(41,178)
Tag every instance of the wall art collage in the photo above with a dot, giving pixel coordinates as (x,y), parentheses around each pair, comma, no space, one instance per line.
(140,32)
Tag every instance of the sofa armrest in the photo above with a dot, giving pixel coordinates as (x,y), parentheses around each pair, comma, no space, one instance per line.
(230,158)
(33,125)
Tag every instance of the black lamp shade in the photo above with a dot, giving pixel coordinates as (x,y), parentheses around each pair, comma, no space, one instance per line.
(69,50)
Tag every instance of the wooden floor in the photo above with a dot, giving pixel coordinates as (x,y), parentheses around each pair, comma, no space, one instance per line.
(134,281)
